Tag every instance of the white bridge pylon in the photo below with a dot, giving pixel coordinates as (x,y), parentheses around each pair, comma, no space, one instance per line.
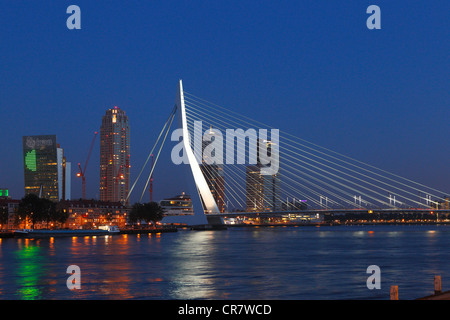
(208,202)
(319,176)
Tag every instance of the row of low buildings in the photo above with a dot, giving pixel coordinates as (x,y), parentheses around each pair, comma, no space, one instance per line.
(90,214)
(81,214)
(8,207)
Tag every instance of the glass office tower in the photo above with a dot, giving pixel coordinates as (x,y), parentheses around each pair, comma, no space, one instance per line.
(45,168)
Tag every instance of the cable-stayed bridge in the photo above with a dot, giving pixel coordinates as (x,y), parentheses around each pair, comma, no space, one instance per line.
(244,167)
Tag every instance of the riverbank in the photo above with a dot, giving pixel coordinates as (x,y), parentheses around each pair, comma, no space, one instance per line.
(330,224)
(149,230)
(168,229)
(6,234)
(40,233)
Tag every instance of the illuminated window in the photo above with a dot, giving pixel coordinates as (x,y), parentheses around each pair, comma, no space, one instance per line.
(30,160)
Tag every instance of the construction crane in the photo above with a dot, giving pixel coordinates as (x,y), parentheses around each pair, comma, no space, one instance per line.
(82,172)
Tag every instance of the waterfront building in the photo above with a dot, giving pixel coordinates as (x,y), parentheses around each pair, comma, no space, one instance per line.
(262,191)
(302,218)
(90,214)
(114,156)
(46,171)
(445,203)
(10,206)
(180,205)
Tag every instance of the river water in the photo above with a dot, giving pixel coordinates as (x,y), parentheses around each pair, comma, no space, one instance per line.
(270,263)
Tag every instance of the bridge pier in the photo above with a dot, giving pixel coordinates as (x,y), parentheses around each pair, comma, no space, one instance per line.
(215,220)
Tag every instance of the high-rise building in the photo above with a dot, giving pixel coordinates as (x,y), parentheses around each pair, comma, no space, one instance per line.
(214,174)
(4,193)
(114,156)
(214,177)
(46,172)
(443,204)
(64,175)
(262,191)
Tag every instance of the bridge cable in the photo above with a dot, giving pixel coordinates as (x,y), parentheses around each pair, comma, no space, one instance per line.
(405,191)
(151,152)
(337,182)
(159,152)
(296,142)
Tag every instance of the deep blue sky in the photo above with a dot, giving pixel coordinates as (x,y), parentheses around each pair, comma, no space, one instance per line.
(311,68)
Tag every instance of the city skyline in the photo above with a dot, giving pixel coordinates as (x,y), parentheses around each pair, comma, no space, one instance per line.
(179,151)
(389,109)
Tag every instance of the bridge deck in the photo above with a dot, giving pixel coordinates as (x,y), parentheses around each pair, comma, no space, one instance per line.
(334,211)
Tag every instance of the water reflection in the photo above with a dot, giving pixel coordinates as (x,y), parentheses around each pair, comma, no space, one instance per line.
(192,274)
(105,266)
(117,276)
(29,271)
(261,263)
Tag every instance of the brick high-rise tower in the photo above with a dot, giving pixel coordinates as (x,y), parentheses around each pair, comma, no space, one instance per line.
(114,156)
